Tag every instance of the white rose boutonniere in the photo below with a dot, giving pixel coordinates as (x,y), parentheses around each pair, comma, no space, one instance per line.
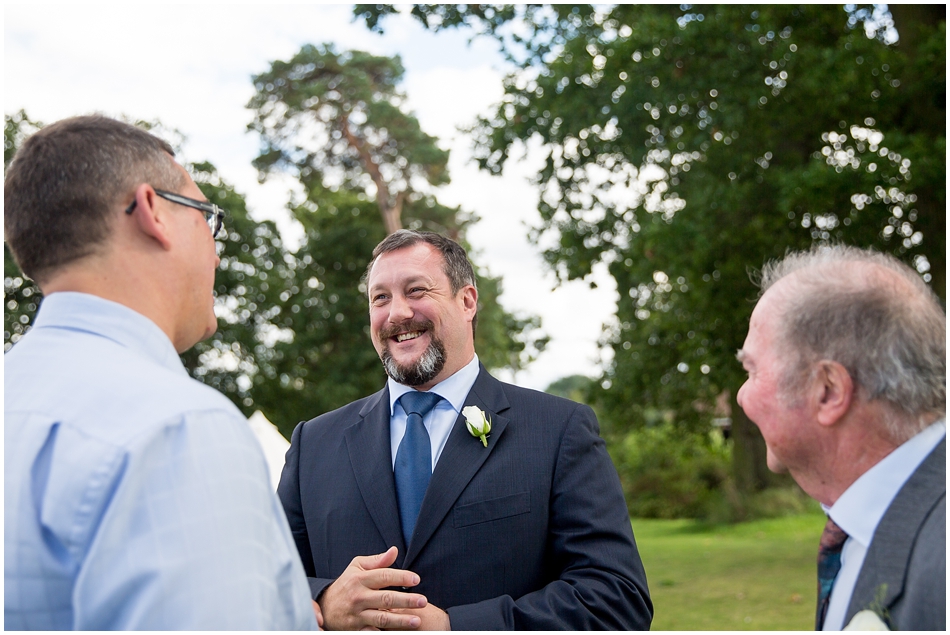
(866,620)
(477,423)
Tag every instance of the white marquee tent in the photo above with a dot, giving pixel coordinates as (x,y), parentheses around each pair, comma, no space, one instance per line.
(272,442)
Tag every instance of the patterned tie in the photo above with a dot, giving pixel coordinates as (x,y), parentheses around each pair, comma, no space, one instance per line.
(413,467)
(829,562)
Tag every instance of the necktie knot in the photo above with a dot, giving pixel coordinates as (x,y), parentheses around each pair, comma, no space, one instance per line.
(420,403)
(832,537)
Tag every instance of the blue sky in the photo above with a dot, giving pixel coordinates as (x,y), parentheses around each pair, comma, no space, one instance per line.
(191,68)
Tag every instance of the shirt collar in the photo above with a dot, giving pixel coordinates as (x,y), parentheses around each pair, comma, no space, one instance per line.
(89,313)
(454,389)
(859,510)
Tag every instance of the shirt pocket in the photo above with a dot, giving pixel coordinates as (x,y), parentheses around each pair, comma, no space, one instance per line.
(492,509)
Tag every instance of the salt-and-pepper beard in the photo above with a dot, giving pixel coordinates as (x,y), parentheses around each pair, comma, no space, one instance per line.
(423,370)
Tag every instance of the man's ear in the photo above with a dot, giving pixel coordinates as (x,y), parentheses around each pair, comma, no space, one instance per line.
(148,218)
(469,299)
(834,391)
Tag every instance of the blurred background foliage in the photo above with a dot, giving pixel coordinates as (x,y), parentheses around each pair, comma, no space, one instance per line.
(686,145)
(20,296)
(683,147)
(293,329)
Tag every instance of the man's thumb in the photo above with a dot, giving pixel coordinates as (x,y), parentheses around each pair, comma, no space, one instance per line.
(381,560)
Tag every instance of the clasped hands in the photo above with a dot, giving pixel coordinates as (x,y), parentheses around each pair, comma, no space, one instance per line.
(360,600)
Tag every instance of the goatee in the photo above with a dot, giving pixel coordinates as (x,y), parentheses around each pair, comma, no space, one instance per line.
(422,371)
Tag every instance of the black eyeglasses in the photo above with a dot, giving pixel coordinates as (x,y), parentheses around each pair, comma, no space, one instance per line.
(214,215)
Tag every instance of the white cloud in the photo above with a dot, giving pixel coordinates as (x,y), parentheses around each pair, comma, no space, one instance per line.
(444,98)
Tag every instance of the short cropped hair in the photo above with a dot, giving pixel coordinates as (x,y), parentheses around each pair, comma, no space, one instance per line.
(66,181)
(455,262)
(875,316)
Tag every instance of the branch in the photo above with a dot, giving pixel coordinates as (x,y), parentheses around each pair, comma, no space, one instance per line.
(391,215)
(396,212)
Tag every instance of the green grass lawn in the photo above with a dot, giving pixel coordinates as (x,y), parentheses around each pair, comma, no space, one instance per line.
(750,576)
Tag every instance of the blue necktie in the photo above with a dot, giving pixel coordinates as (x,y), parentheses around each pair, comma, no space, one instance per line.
(413,467)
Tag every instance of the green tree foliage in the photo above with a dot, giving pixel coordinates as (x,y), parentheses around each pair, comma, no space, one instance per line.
(322,357)
(340,116)
(574,387)
(338,123)
(668,474)
(21,296)
(685,145)
(292,336)
(250,284)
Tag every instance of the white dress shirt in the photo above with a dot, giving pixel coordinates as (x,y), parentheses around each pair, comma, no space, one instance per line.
(440,419)
(859,510)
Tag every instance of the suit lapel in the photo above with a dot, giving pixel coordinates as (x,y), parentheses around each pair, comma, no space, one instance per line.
(881,580)
(367,444)
(461,459)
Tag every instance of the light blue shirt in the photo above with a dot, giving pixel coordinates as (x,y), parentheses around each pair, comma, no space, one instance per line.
(134,496)
(859,511)
(440,419)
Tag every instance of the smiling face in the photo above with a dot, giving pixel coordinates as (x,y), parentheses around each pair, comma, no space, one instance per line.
(420,329)
(783,422)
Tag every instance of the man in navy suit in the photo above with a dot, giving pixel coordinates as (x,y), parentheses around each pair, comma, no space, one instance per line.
(406,519)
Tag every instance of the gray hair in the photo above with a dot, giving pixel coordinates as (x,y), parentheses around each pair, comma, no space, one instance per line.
(455,262)
(876,317)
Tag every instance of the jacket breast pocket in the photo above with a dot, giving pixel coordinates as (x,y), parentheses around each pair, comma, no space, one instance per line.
(492,509)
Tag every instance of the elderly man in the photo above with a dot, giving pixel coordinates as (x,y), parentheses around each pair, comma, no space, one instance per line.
(134,496)
(846,355)
(520,526)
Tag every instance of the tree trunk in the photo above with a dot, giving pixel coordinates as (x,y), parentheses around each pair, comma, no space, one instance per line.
(748,454)
(925,113)
(391,219)
(910,18)
(392,214)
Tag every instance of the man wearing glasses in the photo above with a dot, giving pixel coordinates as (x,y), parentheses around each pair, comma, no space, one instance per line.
(134,496)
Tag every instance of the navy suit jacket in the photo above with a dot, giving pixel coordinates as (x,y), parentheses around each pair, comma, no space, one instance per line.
(531,532)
